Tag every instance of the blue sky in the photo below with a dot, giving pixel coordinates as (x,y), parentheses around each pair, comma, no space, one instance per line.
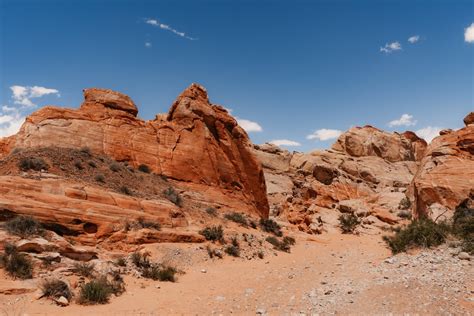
(300,70)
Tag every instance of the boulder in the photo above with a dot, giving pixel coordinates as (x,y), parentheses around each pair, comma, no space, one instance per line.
(469,119)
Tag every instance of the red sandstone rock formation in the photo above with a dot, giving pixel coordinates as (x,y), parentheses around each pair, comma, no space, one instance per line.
(446,175)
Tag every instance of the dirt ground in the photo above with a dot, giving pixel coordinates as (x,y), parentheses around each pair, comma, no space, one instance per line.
(326,274)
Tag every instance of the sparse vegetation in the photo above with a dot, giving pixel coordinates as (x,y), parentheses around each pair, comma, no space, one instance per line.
(78,165)
(96,291)
(211,211)
(283,245)
(121,262)
(144,168)
(173,196)
(419,233)
(405,203)
(16,264)
(100,178)
(237,218)
(92,163)
(84,269)
(214,233)
(463,226)
(270,226)
(55,288)
(160,272)
(24,226)
(234,248)
(115,167)
(213,252)
(125,190)
(36,164)
(86,151)
(141,223)
(289,240)
(348,223)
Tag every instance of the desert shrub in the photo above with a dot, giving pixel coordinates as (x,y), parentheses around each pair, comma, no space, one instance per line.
(117,284)
(141,260)
(463,226)
(270,226)
(214,252)
(24,226)
(161,273)
(96,291)
(16,264)
(214,233)
(143,223)
(237,218)
(289,240)
(78,165)
(55,288)
(232,251)
(121,262)
(92,163)
(173,196)
(125,190)
(253,224)
(114,166)
(348,223)
(144,168)
(100,178)
(405,203)
(211,211)
(83,269)
(278,245)
(36,164)
(419,233)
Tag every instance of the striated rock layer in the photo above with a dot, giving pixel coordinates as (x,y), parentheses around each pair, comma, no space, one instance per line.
(445,178)
(197,142)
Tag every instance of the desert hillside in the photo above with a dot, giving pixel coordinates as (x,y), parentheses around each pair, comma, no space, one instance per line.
(102,212)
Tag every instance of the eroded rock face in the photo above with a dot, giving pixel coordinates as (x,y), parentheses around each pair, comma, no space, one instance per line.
(370,141)
(197,142)
(367,169)
(446,175)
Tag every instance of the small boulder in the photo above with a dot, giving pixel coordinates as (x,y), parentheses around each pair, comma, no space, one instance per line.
(62,301)
(469,119)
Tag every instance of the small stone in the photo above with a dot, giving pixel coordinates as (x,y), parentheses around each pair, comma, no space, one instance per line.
(261,311)
(62,301)
(203,271)
(464,256)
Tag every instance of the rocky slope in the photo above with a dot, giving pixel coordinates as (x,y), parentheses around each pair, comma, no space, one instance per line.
(366,172)
(197,147)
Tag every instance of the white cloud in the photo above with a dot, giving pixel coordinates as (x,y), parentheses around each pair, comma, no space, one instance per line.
(404,120)
(469,34)
(22,95)
(325,134)
(413,39)
(249,126)
(388,48)
(148,44)
(284,142)
(166,27)
(10,123)
(428,133)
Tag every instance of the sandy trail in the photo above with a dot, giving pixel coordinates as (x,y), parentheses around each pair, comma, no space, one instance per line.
(331,274)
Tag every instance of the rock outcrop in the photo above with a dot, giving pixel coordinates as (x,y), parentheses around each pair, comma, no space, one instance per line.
(446,175)
(366,168)
(197,142)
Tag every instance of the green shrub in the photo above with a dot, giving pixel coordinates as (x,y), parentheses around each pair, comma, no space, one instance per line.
(419,233)
(211,211)
(233,251)
(173,196)
(270,226)
(143,223)
(36,164)
(115,167)
(289,240)
(126,190)
(405,203)
(348,223)
(214,233)
(279,245)
(237,218)
(141,261)
(16,264)
(463,226)
(83,269)
(24,226)
(121,262)
(96,291)
(55,288)
(144,168)
(100,178)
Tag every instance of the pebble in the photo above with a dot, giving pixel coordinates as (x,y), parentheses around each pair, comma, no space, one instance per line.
(464,256)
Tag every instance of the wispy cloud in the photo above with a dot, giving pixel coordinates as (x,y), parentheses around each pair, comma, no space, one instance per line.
(22,95)
(167,27)
(249,126)
(469,34)
(148,44)
(325,134)
(285,142)
(404,120)
(429,132)
(11,120)
(388,48)
(413,39)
